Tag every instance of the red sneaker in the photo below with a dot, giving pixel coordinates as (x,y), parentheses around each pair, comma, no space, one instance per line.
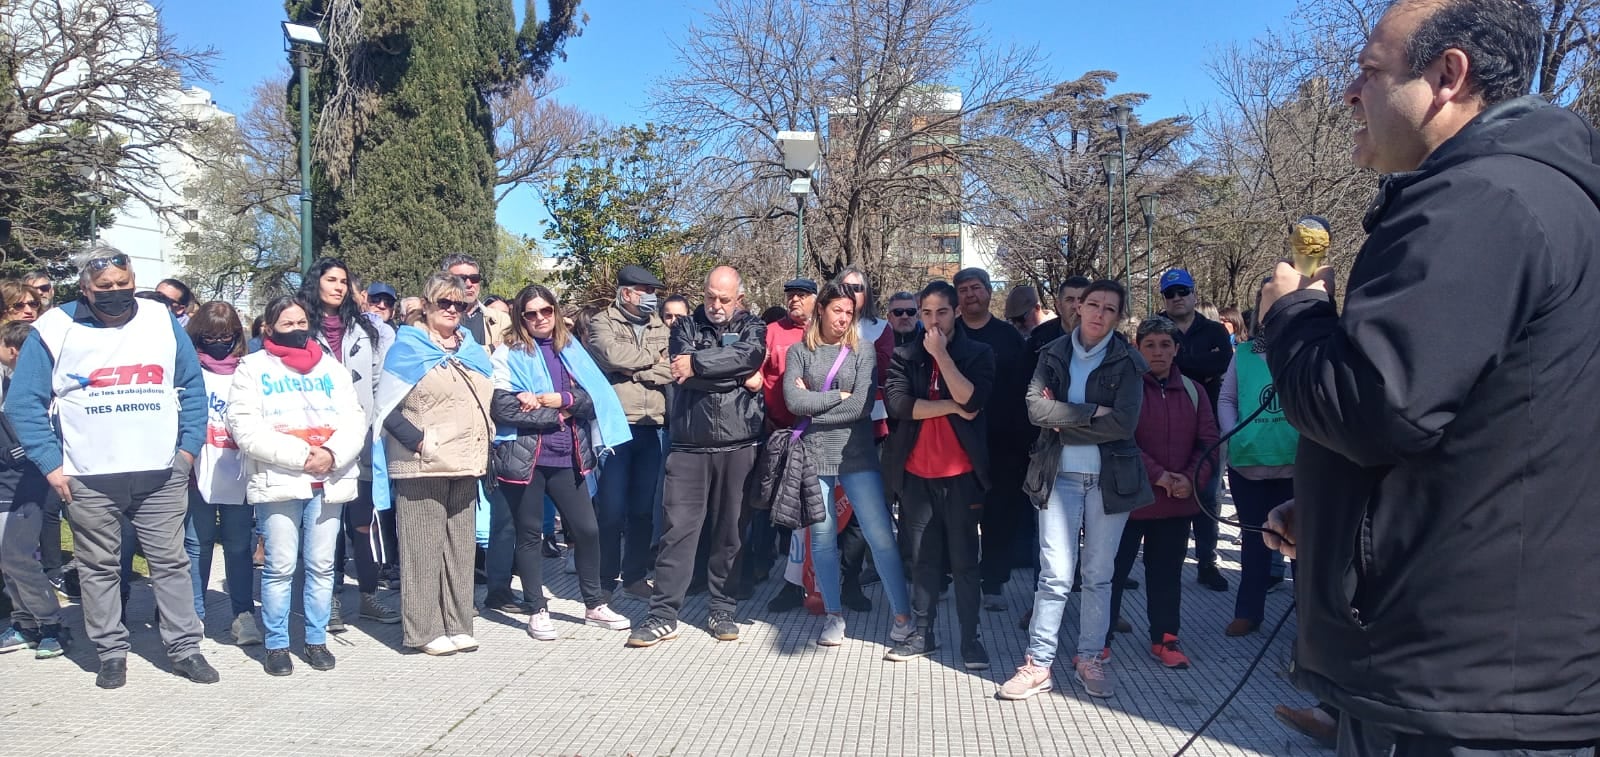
(1168,652)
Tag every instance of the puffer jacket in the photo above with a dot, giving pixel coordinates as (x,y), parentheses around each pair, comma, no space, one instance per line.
(450,407)
(275,415)
(1173,432)
(712,411)
(1118,384)
(514,460)
(634,363)
(786,483)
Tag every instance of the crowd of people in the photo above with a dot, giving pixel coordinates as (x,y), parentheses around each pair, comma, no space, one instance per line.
(431,442)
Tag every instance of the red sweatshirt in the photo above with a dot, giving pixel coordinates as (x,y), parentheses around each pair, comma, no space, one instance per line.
(1172,434)
(781,335)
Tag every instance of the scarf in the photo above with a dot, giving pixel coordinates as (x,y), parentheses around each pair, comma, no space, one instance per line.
(300,360)
(608,430)
(410,358)
(333,331)
(223,367)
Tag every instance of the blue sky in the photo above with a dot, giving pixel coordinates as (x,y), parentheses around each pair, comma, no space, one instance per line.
(1159,47)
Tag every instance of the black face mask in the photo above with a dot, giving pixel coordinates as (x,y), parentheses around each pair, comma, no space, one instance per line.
(114,303)
(295,340)
(217,350)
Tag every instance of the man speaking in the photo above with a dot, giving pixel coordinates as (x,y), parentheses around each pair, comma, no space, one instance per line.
(1447,503)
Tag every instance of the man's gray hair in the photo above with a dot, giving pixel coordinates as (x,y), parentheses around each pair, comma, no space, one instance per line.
(459,258)
(98,252)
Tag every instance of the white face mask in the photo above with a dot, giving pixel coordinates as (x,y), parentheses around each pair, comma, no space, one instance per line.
(647,303)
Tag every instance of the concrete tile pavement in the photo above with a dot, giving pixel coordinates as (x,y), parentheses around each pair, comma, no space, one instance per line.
(773,692)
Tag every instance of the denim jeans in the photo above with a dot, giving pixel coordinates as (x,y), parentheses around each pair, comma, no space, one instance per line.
(1075,503)
(865,490)
(1254,499)
(626,503)
(234,526)
(298,529)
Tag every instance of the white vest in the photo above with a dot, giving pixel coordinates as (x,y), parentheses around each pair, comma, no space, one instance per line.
(219,472)
(114,391)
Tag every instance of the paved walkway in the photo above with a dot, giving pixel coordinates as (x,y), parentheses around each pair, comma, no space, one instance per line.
(773,692)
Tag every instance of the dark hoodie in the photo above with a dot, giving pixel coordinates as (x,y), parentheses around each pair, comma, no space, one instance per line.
(1448,500)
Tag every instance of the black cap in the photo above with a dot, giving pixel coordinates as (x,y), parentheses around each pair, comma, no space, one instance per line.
(805,285)
(380,288)
(637,276)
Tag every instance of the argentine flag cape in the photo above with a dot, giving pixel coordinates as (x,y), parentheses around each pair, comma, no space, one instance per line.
(528,373)
(410,358)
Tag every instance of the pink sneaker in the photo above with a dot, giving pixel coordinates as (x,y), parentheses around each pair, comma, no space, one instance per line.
(605,617)
(1029,681)
(540,627)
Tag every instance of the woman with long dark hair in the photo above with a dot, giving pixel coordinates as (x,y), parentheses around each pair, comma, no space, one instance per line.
(217,509)
(355,341)
(557,414)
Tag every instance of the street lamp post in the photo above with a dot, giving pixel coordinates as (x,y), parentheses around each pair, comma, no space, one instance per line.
(1121,115)
(304,42)
(1147,205)
(1110,161)
(800,152)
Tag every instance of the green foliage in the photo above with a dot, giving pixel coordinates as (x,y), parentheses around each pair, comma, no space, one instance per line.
(516,264)
(616,205)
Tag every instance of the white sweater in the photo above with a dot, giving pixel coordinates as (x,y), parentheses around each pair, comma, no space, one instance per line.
(276,415)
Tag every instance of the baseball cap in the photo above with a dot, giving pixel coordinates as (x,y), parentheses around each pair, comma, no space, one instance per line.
(379,287)
(1176,277)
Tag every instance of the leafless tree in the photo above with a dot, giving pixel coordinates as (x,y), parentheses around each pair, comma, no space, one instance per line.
(534,131)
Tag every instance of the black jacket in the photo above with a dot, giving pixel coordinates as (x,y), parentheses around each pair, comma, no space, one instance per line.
(1010,434)
(786,483)
(910,372)
(1204,352)
(713,411)
(514,460)
(1448,497)
(1118,383)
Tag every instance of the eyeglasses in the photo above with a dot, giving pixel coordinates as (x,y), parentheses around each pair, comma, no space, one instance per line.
(903,312)
(544,312)
(472,278)
(100,264)
(854,288)
(32,304)
(1174,293)
(446,303)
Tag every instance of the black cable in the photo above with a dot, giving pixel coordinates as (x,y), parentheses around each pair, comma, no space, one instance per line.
(1239,686)
(1266,400)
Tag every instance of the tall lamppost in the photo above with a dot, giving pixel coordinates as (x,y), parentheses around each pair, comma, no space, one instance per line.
(94,198)
(1147,205)
(1112,162)
(800,152)
(1121,114)
(305,42)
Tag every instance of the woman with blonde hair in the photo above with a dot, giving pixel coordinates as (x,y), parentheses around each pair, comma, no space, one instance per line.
(433,402)
(558,414)
(828,383)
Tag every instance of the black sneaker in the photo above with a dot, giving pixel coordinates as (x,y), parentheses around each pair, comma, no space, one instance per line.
(318,657)
(720,624)
(790,597)
(1208,576)
(652,631)
(507,603)
(70,588)
(974,656)
(278,662)
(195,668)
(113,673)
(1130,584)
(919,645)
(552,549)
(853,598)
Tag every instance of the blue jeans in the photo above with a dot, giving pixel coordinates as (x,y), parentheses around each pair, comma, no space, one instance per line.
(626,504)
(1075,503)
(865,490)
(234,526)
(296,530)
(1254,499)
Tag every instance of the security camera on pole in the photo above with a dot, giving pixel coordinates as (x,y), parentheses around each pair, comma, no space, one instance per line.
(800,152)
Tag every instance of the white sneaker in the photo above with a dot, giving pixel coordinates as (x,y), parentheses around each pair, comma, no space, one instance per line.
(605,617)
(832,631)
(464,643)
(440,647)
(245,630)
(540,628)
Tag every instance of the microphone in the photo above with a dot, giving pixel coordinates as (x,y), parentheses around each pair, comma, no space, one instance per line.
(1309,239)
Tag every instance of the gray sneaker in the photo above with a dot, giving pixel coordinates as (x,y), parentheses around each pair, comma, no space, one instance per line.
(1096,679)
(832,631)
(373,610)
(245,630)
(336,615)
(902,631)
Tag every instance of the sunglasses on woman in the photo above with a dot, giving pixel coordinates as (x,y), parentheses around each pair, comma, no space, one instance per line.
(544,312)
(445,303)
(30,304)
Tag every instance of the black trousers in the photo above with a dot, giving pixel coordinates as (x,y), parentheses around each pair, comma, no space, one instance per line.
(571,494)
(1205,528)
(703,490)
(939,518)
(1358,739)
(357,515)
(1007,513)
(1166,541)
